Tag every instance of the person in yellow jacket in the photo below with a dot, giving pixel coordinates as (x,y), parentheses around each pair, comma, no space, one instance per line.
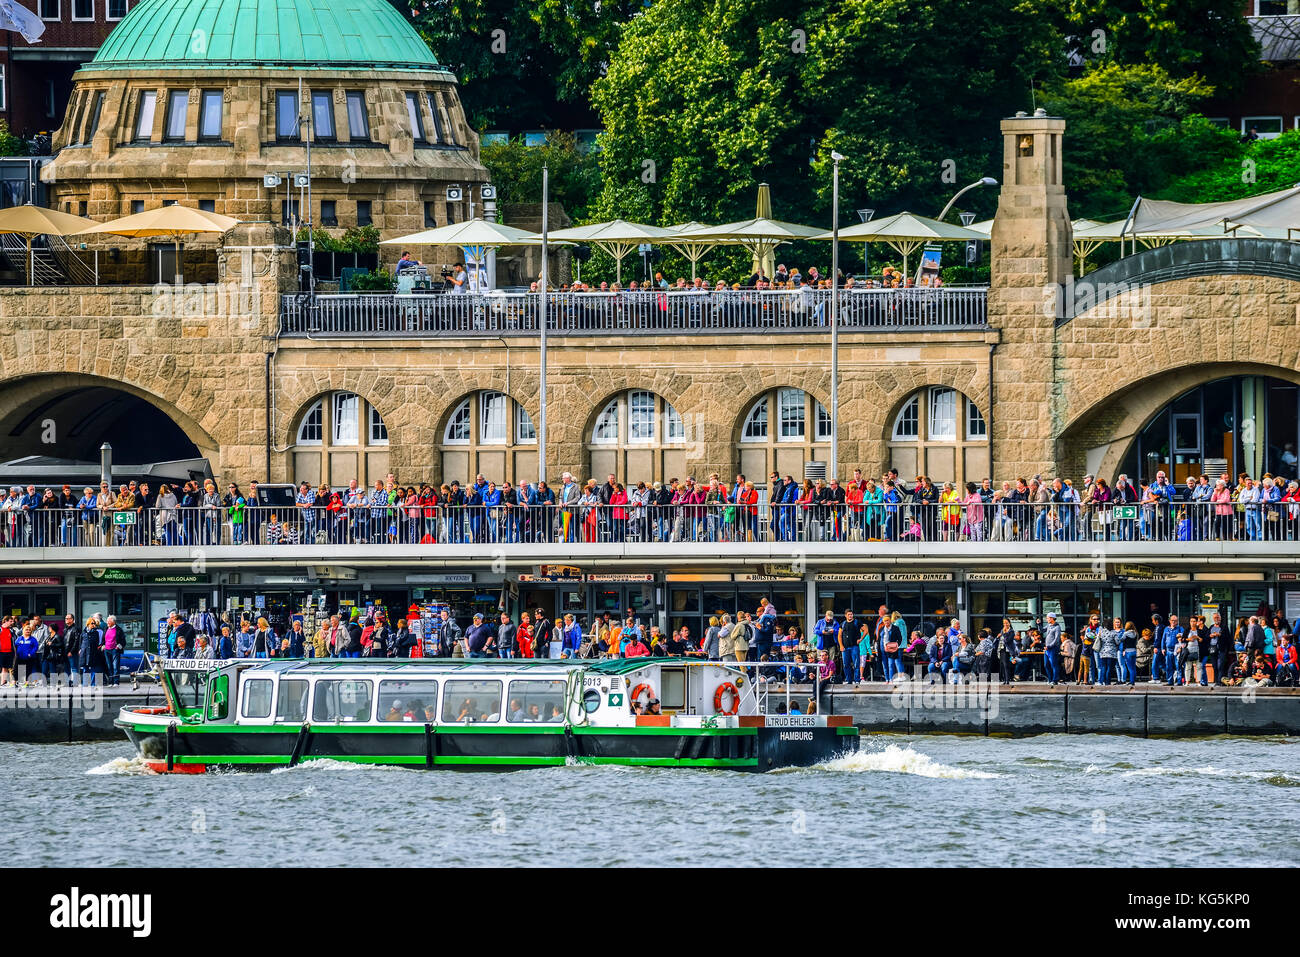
(950,511)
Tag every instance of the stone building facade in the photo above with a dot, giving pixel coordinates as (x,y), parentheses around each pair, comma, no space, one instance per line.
(1042,389)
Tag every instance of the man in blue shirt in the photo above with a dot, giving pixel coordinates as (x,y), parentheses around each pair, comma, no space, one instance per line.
(827,631)
(1169,638)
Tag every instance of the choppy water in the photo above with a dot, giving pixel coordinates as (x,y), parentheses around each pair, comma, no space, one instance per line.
(1053,799)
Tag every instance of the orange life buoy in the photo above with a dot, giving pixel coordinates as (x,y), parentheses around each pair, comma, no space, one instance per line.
(723,689)
(636,692)
(150,710)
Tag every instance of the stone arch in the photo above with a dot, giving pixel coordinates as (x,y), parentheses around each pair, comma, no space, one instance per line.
(1100,435)
(961,458)
(23,394)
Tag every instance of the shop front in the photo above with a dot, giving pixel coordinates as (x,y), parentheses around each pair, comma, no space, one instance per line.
(140,602)
(42,595)
(589,596)
(694,599)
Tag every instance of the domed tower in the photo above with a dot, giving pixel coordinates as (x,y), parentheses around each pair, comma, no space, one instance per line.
(200,101)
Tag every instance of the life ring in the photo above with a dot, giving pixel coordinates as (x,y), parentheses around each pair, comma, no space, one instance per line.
(636,692)
(723,689)
(150,710)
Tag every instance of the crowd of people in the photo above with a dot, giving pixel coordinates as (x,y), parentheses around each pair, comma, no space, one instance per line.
(888,509)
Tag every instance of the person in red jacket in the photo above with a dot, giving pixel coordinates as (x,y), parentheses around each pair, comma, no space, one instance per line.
(7,652)
(1286,671)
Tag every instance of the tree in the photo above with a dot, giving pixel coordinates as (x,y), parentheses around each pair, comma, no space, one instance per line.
(1130,130)
(522,64)
(517,172)
(10,145)
(1207,38)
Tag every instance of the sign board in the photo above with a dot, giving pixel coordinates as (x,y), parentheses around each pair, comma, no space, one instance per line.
(451,578)
(999,576)
(1292,601)
(918,577)
(1125,512)
(1071,577)
(614,577)
(112,575)
(176,579)
(34,580)
(124,518)
(864,577)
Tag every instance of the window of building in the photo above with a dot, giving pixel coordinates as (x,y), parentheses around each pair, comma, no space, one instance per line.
(524,431)
(1274,8)
(358,120)
(606,430)
(430,215)
(823,423)
(289,212)
(144,115)
(943,414)
(92,124)
(116,9)
(494,426)
(378,431)
(755,429)
(676,427)
(364,217)
(322,114)
(346,422)
(457,431)
(641,416)
(208,205)
(50,10)
(211,103)
(434,114)
(81,208)
(4,90)
(137,206)
(286,115)
(178,104)
(790,403)
(413,114)
(311,431)
(940,433)
(83,9)
(1265,127)
(329,215)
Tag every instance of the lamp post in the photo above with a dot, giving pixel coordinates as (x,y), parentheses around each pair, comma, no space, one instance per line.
(865,216)
(984,181)
(541,300)
(835,314)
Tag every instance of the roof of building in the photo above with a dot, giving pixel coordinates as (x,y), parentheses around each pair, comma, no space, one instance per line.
(304,34)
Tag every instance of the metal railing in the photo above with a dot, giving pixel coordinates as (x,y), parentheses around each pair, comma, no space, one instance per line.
(682,523)
(631,312)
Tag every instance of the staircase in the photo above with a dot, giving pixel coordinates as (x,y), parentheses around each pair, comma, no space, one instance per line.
(54,262)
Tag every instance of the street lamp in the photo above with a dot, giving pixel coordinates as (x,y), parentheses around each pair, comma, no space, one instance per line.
(835,314)
(985,181)
(541,312)
(865,216)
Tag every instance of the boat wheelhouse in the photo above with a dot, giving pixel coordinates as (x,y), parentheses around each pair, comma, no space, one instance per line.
(474,713)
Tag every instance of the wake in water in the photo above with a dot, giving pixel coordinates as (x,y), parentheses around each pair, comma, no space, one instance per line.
(132,765)
(900,760)
(330,764)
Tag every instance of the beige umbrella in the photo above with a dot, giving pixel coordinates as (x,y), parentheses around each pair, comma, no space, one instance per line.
(173,221)
(476,237)
(30,221)
(760,236)
(905,233)
(617,238)
(691,248)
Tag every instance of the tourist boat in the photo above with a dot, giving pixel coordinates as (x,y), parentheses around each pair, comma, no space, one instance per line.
(480,713)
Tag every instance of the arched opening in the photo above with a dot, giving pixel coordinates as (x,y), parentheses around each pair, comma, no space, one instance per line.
(1248,423)
(339,437)
(488,433)
(940,433)
(637,436)
(782,431)
(51,430)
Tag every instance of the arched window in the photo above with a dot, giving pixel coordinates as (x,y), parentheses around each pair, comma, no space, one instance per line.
(489,433)
(637,435)
(340,437)
(781,431)
(940,433)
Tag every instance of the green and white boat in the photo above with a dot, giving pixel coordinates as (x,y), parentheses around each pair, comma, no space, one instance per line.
(473,714)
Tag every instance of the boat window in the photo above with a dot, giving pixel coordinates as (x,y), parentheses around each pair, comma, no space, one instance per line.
(191,688)
(217,692)
(408,701)
(256,701)
(471,701)
(342,699)
(539,701)
(674,688)
(591,701)
(292,702)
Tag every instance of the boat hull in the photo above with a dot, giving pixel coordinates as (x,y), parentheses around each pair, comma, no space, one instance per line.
(188,748)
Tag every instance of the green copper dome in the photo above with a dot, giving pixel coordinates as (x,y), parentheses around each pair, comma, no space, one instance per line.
(321,34)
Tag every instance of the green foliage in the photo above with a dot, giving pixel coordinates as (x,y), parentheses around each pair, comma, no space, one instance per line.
(10,145)
(354,239)
(1129,131)
(1205,38)
(517,172)
(378,280)
(537,70)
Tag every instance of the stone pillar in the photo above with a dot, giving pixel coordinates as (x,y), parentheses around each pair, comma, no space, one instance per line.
(1031,257)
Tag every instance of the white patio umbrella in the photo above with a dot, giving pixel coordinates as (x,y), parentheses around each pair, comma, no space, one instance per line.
(617,238)
(690,246)
(474,236)
(905,233)
(760,236)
